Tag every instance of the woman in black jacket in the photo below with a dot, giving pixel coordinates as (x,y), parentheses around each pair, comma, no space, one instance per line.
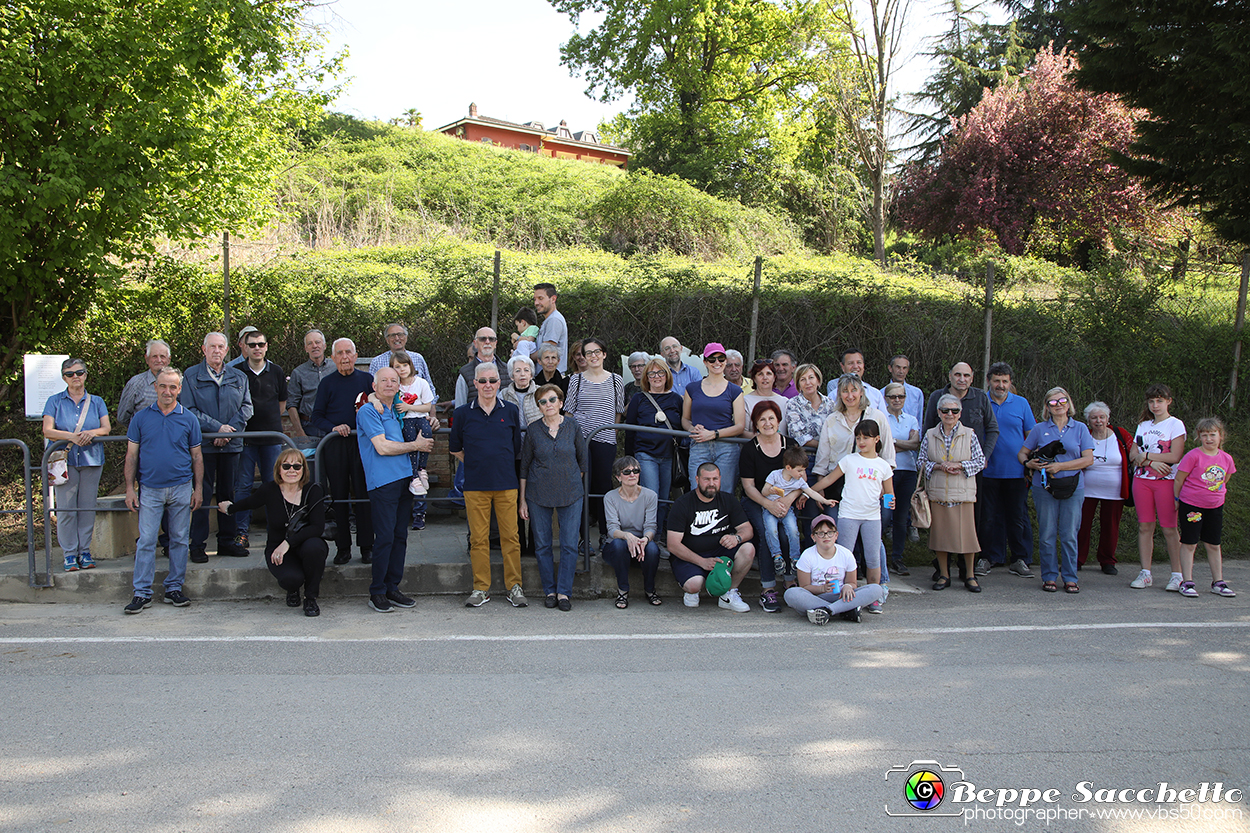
(296,558)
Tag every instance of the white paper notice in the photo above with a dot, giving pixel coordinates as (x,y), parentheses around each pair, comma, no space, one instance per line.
(43,378)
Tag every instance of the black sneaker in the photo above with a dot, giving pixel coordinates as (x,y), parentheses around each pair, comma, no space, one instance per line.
(232,549)
(137,604)
(176,598)
(381,604)
(311,608)
(399,599)
(292,599)
(342,556)
(418,524)
(199,556)
(851,615)
(366,556)
(1110,570)
(898,568)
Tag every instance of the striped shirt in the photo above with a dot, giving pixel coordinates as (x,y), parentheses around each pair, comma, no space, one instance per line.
(596,404)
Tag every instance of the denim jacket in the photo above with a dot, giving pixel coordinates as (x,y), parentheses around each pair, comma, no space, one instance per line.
(216,405)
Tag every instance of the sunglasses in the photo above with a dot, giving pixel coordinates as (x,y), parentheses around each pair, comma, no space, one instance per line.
(252,344)
(292,466)
(1054,402)
(895,396)
(550,400)
(494,381)
(715,359)
(948,410)
(631,471)
(74,373)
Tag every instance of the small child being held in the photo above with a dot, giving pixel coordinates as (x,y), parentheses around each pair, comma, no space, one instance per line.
(786,484)
(1200,488)
(525,339)
(414,406)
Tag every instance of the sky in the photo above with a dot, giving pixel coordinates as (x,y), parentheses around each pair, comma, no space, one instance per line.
(503,55)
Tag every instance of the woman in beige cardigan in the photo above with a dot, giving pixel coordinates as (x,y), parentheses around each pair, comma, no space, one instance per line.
(950,458)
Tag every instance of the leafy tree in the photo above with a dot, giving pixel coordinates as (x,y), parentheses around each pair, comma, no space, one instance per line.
(1030,164)
(1185,63)
(122,122)
(707,76)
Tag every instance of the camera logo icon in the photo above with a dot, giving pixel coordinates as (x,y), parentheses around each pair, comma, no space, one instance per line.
(923,786)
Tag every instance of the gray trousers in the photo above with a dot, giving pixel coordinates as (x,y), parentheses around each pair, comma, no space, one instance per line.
(804,600)
(73,529)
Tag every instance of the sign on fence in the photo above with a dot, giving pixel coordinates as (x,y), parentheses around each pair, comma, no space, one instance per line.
(43,378)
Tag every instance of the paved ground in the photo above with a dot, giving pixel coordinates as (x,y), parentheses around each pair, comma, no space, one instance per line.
(245,715)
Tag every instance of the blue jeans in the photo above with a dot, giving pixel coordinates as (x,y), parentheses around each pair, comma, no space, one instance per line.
(657,475)
(773,524)
(570,523)
(175,503)
(768,573)
(264,456)
(219,480)
(390,506)
(1058,522)
(616,553)
(899,518)
(1005,519)
(723,454)
(413,428)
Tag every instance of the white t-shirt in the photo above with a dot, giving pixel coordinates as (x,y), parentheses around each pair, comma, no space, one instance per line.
(826,570)
(1157,438)
(778,478)
(420,393)
(1102,478)
(861,495)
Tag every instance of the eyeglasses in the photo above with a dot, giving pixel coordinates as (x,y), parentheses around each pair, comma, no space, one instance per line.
(896,396)
(494,381)
(74,373)
(1054,402)
(398,334)
(631,471)
(656,374)
(715,359)
(252,344)
(635,367)
(824,533)
(550,400)
(487,339)
(292,466)
(590,353)
(948,410)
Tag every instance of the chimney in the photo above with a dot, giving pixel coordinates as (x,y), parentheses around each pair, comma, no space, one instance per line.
(472,110)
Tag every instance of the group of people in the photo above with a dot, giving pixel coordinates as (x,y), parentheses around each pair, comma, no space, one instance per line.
(822,473)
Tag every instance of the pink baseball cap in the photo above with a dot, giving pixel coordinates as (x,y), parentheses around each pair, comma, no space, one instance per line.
(713,348)
(823,519)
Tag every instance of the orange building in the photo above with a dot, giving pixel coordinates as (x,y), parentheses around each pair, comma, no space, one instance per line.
(558,142)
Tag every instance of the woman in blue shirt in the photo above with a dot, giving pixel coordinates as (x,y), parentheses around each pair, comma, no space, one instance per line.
(78,417)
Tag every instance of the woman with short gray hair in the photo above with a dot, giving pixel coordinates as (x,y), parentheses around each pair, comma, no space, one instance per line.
(637,361)
(1108,487)
(77,417)
(950,457)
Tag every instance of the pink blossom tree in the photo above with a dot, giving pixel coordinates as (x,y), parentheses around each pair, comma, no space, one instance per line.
(1031,164)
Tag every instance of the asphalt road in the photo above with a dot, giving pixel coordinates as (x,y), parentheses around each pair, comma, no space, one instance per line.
(247,716)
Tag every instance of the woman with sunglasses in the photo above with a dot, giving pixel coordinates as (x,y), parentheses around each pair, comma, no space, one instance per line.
(631,511)
(554,458)
(596,397)
(950,457)
(712,410)
(655,406)
(1057,451)
(297,558)
(77,417)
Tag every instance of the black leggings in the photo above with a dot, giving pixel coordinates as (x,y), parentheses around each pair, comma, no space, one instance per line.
(602,456)
(301,567)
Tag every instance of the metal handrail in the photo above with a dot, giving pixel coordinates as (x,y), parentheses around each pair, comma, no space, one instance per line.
(46,491)
(29,512)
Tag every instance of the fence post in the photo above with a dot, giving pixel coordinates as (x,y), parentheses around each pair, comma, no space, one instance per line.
(755,310)
(989,321)
(225,285)
(1238,327)
(494,298)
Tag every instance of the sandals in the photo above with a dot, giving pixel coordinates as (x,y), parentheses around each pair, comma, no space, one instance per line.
(622,599)
(654,598)
(1050,587)
(942,582)
(972,585)
(1071,587)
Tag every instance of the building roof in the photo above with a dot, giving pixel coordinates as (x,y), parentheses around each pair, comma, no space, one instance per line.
(561,132)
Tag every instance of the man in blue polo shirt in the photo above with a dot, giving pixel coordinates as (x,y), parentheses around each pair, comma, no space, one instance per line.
(388,470)
(164,452)
(1003,491)
(335,411)
(486,439)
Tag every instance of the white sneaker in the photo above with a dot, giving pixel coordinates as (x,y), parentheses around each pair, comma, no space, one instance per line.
(1174,584)
(414,485)
(1144,579)
(733,601)
(690,599)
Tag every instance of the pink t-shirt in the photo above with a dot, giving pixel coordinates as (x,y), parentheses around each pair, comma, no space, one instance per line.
(1205,477)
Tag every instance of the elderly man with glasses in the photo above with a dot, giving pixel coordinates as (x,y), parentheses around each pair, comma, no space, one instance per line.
(396,335)
(486,439)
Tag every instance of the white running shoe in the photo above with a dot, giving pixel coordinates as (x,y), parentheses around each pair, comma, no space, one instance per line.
(1144,579)
(733,601)
(690,599)
(1174,584)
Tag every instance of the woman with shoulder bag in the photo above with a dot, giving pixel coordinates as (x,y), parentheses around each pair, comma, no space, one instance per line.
(950,457)
(295,513)
(654,406)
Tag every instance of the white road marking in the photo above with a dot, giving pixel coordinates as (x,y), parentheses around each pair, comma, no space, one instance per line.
(607,637)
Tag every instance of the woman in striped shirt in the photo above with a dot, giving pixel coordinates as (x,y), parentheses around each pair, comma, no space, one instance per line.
(596,398)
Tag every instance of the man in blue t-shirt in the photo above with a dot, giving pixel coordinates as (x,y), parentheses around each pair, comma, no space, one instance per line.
(1003,492)
(164,474)
(388,471)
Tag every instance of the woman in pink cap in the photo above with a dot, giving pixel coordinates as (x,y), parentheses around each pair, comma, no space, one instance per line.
(713,410)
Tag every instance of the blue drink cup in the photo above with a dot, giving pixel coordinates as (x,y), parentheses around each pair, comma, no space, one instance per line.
(887,501)
(835,586)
